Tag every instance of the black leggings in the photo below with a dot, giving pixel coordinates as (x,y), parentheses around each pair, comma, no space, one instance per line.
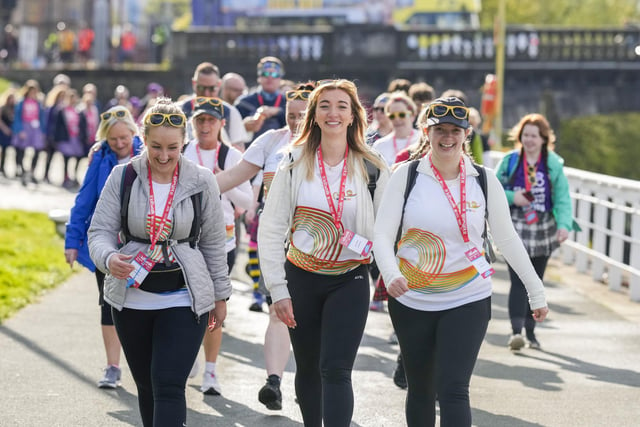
(106,319)
(330,312)
(160,347)
(439,350)
(519,308)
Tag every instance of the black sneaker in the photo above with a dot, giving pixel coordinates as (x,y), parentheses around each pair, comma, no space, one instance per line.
(399,377)
(270,394)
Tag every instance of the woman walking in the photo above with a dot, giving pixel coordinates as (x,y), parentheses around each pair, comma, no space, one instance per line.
(319,201)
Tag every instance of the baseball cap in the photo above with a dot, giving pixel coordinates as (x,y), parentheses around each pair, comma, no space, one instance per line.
(210,106)
(448,110)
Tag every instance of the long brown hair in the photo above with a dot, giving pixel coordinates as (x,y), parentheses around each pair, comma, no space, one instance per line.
(544,128)
(311,135)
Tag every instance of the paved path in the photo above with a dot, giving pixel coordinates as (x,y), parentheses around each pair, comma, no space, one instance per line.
(588,373)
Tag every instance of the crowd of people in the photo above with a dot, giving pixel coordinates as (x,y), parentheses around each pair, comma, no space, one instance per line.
(337,198)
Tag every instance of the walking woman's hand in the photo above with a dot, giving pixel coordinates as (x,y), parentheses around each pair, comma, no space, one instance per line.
(217,315)
(120,266)
(397,287)
(539,314)
(70,255)
(284,310)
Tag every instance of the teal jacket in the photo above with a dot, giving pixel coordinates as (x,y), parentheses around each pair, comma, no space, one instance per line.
(560,198)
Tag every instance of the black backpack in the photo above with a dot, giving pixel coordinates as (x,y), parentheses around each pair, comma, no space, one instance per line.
(412,173)
(129,175)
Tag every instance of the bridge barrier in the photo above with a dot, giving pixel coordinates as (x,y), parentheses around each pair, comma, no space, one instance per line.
(608,211)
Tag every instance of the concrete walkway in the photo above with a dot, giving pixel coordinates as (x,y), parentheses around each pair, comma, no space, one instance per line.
(588,373)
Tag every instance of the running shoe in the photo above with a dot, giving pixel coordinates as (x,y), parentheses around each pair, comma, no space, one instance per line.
(210,384)
(399,377)
(516,342)
(270,394)
(111,378)
(258,300)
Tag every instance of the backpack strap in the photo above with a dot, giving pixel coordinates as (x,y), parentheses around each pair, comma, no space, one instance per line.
(129,175)
(374,174)
(482,180)
(222,155)
(412,174)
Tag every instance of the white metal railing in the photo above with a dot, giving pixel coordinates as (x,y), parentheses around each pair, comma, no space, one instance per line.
(608,211)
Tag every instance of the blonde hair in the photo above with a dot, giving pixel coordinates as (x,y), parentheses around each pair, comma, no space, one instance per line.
(311,135)
(105,125)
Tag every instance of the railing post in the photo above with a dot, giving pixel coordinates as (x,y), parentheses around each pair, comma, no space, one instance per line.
(616,247)
(599,239)
(583,213)
(634,261)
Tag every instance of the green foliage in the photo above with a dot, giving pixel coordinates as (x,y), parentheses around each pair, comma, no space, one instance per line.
(175,11)
(577,13)
(4,85)
(31,259)
(602,144)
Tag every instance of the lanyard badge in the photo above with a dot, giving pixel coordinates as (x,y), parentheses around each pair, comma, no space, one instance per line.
(349,239)
(141,262)
(473,254)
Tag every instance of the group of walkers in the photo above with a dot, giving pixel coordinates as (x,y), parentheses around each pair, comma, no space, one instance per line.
(323,191)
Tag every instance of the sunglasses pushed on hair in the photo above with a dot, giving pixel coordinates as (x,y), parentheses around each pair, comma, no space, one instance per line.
(216,102)
(121,114)
(292,95)
(158,119)
(401,114)
(439,110)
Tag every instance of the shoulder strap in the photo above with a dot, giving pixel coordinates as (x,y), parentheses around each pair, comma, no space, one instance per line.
(196,201)
(412,174)
(374,174)
(482,180)
(511,166)
(129,175)
(222,155)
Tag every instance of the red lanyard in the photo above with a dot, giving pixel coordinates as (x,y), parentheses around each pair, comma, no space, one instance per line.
(525,171)
(395,147)
(461,214)
(215,160)
(275,104)
(153,232)
(336,214)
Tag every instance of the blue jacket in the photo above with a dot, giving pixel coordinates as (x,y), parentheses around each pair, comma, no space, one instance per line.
(560,198)
(18,125)
(102,163)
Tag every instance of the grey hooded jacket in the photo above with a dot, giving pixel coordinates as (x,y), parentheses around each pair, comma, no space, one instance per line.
(204,267)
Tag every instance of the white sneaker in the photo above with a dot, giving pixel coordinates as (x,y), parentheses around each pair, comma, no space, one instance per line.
(194,369)
(210,384)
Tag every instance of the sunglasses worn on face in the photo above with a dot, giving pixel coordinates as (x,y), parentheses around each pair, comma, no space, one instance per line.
(439,110)
(401,114)
(378,109)
(216,102)
(203,89)
(118,113)
(273,74)
(158,119)
(297,94)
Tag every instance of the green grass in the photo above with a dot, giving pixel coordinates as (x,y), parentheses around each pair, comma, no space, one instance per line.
(31,259)
(4,85)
